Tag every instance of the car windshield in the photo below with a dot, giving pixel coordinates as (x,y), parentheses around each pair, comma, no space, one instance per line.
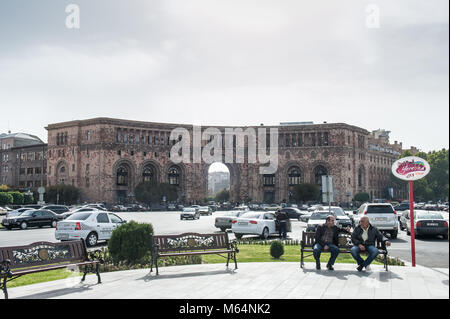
(251,215)
(380,209)
(189,210)
(429,216)
(79,216)
(321,215)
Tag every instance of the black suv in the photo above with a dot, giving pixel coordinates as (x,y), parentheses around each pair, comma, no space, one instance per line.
(57,209)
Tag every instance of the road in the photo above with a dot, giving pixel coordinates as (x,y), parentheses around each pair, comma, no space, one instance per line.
(430,252)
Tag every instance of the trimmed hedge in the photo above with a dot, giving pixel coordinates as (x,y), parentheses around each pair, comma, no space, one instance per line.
(130,243)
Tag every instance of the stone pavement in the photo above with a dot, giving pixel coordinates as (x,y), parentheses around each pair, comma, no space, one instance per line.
(251,281)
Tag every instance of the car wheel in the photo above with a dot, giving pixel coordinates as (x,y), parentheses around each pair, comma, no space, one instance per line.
(238,236)
(265,233)
(54,223)
(223,229)
(445,236)
(92,239)
(394,235)
(299,218)
(181,218)
(23,225)
(8,228)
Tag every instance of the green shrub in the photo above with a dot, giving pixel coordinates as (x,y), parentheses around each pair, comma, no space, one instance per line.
(6,199)
(130,243)
(276,249)
(18,198)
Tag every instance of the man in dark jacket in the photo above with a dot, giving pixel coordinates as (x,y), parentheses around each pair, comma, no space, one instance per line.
(282,218)
(364,237)
(327,239)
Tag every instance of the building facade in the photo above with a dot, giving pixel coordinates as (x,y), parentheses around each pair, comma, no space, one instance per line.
(106,158)
(23,161)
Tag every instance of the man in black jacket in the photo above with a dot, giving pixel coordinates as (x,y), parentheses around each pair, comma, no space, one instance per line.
(364,237)
(327,239)
(282,218)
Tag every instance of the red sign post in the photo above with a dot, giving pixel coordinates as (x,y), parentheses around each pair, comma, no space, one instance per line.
(410,169)
(411,213)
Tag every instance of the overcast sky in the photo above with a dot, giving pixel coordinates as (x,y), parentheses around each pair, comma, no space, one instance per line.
(229,62)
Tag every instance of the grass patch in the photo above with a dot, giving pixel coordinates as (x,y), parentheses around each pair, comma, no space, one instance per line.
(45,276)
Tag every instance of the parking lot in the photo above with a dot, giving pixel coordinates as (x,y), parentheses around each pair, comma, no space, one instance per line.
(430,252)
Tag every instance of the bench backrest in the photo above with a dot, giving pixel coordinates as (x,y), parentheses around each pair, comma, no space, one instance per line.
(41,254)
(190,241)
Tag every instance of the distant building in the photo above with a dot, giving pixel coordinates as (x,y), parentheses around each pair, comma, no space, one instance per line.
(23,161)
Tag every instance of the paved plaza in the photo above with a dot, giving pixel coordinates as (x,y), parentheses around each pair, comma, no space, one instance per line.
(277,280)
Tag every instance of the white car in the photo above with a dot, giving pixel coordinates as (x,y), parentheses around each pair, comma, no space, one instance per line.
(205,210)
(319,218)
(254,223)
(90,226)
(381,215)
(190,213)
(342,218)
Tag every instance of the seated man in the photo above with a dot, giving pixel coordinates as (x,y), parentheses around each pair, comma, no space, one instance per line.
(363,238)
(327,239)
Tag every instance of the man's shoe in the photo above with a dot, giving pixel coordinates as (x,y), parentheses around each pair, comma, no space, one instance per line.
(317,265)
(360,268)
(330,267)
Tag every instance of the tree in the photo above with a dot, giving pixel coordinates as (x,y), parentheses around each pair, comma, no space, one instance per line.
(223,196)
(306,192)
(361,197)
(18,198)
(68,194)
(5,199)
(152,192)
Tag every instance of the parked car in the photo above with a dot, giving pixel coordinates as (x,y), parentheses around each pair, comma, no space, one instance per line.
(426,223)
(256,223)
(57,209)
(272,207)
(205,210)
(318,218)
(293,213)
(171,207)
(224,221)
(381,215)
(90,226)
(17,212)
(315,207)
(401,207)
(190,213)
(341,217)
(3,211)
(32,218)
(35,206)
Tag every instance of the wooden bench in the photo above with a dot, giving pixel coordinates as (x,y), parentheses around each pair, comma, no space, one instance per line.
(17,261)
(191,244)
(345,244)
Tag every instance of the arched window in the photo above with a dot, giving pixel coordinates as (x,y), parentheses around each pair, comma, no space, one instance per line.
(319,171)
(62,169)
(148,174)
(122,176)
(174,176)
(294,175)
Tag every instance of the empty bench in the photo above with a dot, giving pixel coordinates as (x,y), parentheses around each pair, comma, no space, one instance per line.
(192,244)
(345,244)
(18,261)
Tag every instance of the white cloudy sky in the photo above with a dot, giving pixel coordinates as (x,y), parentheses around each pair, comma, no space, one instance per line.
(228,62)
